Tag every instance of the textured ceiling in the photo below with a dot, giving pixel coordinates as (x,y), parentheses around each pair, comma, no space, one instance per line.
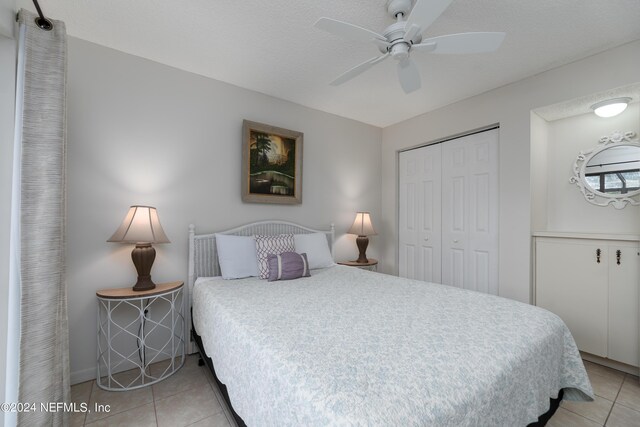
(272,47)
(583,104)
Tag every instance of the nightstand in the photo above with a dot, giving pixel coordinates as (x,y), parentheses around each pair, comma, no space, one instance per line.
(372,265)
(140,336)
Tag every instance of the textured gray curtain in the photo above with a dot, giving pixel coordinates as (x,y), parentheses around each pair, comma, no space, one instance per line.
(44,336)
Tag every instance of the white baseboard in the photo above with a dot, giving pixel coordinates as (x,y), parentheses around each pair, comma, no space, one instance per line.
(83,375)
(633,370)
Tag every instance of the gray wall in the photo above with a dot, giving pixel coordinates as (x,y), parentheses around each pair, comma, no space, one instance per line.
(145,133)
(7,17)
(510,106)
(7,100)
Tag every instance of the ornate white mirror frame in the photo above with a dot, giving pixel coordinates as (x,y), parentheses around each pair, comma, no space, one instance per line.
(599,198)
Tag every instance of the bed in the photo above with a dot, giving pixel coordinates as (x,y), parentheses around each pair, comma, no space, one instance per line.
(352,347)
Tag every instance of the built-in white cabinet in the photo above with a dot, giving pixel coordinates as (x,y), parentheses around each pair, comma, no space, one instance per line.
(592,282)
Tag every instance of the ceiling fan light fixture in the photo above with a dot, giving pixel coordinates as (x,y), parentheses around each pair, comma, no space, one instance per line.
(610,107)
(400,51)
(412,17)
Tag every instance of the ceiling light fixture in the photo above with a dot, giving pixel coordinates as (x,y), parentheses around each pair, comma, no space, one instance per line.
(610,107)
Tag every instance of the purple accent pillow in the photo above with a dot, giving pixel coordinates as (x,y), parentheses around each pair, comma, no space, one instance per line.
(266,245)
(287,266)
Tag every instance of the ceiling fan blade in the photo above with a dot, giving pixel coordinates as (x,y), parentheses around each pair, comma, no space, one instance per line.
(409,76)
(425,12)
(384,45)
(346,30)
(424,47)
(411,32)
(463,43)
(358,69)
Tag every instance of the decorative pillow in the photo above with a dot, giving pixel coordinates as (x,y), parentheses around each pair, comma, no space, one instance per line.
(275,245)
(316,247)
(237,256)
(287,266)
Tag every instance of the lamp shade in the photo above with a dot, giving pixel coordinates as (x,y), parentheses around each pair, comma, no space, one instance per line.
(140,225)
(362,225)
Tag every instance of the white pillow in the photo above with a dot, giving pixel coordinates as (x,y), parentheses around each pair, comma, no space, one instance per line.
(316,247)
(237,256)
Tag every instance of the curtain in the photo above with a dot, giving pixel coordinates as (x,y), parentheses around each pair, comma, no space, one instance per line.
(41,144)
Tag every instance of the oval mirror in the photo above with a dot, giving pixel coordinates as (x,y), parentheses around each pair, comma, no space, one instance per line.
(610,173)
(614,170)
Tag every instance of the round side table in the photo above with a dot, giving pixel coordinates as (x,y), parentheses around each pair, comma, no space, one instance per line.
(372,265)
(140,336)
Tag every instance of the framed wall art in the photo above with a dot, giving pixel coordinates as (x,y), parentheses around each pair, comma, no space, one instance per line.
(271,164)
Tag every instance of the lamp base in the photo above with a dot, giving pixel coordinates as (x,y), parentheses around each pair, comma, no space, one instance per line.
(362,242)
(144,284)
(143,256)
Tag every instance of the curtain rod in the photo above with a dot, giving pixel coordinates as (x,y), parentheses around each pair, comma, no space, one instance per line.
(41,21)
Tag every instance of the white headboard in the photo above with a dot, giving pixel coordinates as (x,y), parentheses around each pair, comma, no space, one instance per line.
(203,256)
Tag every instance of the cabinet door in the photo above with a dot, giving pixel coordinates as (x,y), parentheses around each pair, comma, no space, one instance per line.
(572,284)
(623,303)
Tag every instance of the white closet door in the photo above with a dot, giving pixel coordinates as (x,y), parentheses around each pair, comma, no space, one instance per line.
(470,212)
(420,214)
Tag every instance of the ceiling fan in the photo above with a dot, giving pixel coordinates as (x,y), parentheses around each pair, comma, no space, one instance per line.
(404,36)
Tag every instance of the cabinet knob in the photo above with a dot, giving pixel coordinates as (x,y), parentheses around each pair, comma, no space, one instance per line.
(598,252)
(618,255)
(455,241)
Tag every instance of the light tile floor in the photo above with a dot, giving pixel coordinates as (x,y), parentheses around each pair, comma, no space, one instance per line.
(617,402)
(191,398)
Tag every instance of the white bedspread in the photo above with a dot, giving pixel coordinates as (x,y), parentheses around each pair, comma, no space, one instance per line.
(352,347)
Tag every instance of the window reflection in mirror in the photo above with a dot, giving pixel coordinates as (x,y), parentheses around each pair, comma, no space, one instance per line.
(615,170)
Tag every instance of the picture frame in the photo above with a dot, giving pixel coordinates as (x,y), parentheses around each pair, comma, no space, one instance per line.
(271,164)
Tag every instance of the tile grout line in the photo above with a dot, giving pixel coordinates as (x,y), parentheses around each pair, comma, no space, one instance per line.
(615,400)
(622,404)
(155,411)
(218,395)
(628,407)
(580,415)
(625,375)
(585,417)
(84,419)
(121,412)
(214,388)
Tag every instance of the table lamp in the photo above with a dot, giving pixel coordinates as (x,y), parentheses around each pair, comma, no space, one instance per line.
(141,226)
(362,227)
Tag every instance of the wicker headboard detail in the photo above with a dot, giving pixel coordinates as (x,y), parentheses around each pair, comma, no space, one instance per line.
(203,257)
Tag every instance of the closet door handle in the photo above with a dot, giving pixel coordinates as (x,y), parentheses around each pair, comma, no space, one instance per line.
(618,254)
(598,252)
